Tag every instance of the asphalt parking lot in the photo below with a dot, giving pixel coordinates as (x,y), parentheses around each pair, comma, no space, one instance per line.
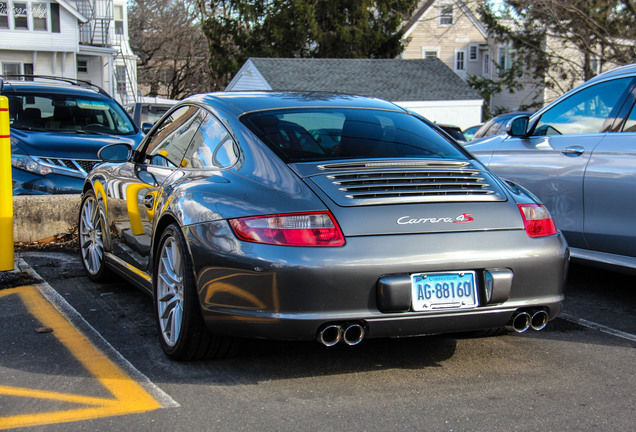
(76,355)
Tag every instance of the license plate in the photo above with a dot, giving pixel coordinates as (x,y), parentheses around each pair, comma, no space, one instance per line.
(448,290)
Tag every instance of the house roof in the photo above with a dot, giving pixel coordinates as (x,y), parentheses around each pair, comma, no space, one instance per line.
(80,17)
(392,79)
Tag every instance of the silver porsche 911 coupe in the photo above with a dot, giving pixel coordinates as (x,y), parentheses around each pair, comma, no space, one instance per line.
(299,216)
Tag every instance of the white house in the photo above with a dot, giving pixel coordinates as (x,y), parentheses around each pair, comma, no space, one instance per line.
(81,39)
(452,31)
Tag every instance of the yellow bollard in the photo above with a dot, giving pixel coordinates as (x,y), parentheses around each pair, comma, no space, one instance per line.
(6,190)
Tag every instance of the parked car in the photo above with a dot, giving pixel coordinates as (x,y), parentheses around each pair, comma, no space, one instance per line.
(57,126)
(578,155)
(453,131)
(469,132)
(148,110)
(496,125)
(239,222)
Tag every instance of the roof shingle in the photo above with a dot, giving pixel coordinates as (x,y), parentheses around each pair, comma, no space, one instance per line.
(391,79)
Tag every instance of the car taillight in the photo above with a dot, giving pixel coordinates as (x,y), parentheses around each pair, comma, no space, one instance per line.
(537,220)
(296,229)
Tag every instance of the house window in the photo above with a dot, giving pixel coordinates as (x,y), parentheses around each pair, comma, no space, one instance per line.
(12,68)
(119,20)
(4,15)
(55,17)
(25,15)
(120,76)
(20,16)
(473,52)
(460,60)
(430,52)
(39,12)
(504,59)
(595,65)
(82,66)
(486,66)
(446,15)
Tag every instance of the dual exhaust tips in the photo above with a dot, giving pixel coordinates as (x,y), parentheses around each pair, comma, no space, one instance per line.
(349,333)
(353,333)
(522,320)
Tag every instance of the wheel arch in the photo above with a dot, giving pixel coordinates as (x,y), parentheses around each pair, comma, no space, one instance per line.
(165,220)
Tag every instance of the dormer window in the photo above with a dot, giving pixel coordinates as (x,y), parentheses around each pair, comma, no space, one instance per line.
(446,15)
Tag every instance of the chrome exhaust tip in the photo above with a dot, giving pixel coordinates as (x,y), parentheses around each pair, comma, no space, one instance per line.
(520,322)
(354,334)
(330,335)
(539,320)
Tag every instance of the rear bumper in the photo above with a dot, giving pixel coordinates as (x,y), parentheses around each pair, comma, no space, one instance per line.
(287,293)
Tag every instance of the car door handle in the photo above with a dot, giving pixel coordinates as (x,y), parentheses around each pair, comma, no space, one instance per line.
(573,151)
(149,201)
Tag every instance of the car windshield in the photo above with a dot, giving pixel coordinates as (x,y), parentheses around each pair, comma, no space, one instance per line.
(67,113)
(313,134)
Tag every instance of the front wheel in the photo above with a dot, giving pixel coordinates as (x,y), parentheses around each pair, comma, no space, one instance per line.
(183,334)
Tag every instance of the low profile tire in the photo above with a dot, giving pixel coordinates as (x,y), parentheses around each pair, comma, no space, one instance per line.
(91,238)
(182,331)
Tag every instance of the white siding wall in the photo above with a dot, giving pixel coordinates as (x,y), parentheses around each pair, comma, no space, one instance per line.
(465,33)
(248,78)
(427,33)
(46,63)
(463,113)
(66,40)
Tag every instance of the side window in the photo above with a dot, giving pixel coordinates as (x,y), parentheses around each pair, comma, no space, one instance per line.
(212,146)
(630,123)
(172,138)
(583,112)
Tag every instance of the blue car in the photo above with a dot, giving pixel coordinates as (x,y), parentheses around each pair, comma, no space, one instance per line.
(57,127)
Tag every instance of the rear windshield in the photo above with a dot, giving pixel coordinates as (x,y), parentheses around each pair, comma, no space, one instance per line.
(344,133)
(65,113)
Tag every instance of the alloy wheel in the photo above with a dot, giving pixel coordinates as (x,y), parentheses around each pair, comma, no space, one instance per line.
(170,291)
(91,236)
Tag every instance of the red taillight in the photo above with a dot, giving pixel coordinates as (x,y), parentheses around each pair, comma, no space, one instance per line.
(296,229)
(537,220)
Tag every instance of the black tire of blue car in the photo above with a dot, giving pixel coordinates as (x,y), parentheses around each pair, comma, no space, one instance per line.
(182,331)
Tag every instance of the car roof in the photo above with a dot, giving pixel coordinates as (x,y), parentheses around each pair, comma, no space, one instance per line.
(626,70)
(249,101)
(38,87)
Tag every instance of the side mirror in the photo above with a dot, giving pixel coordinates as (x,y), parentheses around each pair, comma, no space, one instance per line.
(518,126)
(118,152)
(145,127)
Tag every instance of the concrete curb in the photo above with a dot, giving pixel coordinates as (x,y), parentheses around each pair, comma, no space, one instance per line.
(38,217)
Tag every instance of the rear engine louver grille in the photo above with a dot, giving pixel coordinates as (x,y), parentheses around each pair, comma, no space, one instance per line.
(410,186)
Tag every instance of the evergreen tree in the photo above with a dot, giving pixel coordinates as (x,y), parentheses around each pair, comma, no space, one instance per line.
(239,29)
(565,41)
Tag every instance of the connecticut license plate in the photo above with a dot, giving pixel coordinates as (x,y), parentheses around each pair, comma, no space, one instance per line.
(449,290)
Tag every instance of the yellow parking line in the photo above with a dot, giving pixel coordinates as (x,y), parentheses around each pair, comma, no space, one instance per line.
(128,396)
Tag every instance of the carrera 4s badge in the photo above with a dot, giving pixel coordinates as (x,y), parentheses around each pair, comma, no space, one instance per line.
(462,218)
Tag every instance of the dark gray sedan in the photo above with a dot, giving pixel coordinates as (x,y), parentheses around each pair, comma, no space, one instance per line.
(298,216)
(578,155)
